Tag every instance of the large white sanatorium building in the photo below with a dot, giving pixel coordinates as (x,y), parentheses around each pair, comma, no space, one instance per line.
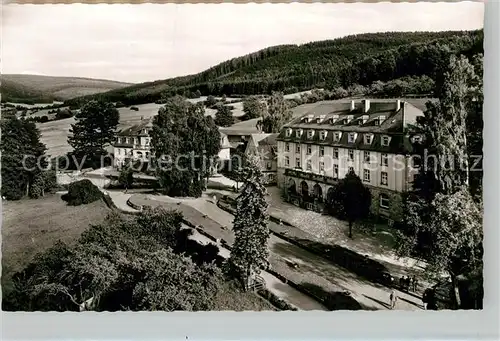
(372,138)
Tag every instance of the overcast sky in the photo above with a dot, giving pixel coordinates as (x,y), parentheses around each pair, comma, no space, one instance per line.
(137,43)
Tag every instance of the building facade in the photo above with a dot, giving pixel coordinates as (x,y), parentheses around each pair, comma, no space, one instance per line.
(133,144)
(372,138)
(264,146)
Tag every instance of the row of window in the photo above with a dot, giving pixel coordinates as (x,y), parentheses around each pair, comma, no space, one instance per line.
(130,140)
(384,179)
(351,137)
(384,158)
(126,152)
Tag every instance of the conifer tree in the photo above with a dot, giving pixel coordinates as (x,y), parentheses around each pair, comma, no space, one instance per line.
(442,221)
(21,150)
(93,131)
(250,251)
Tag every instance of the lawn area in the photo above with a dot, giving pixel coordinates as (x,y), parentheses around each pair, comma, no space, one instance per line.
(31,226)
(55,136)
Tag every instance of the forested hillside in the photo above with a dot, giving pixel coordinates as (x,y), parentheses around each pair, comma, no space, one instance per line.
(359,59)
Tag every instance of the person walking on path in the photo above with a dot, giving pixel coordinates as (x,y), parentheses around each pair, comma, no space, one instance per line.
(393,298)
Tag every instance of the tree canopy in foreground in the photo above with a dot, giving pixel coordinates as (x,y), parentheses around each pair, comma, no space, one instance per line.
(126,264)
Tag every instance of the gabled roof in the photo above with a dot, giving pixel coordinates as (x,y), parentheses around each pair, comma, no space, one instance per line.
(265,144)
(137,130)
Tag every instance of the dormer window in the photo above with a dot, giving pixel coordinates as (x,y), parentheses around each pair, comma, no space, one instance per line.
(321,118)
(385,141)
(310,134)
(336,136)
(299,132)
(368,138)
(379,120)
(322,135)
(362,120)
(288,132)
(351,138)
(334,119)
(308,118)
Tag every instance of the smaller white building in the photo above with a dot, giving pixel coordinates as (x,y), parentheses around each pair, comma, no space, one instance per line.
(133,144)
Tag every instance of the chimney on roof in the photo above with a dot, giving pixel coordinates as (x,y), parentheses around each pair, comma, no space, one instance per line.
(353,105)
(366,105)
(398,105)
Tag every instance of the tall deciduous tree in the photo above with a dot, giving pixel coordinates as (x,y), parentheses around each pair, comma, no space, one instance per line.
(443,222)
(253,107)
(21,151)
(93,131)
(350,200)
(184,143)
(250,251)
(224,116)
(277,114)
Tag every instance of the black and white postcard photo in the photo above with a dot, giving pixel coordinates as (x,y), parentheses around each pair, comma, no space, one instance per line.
(242,157)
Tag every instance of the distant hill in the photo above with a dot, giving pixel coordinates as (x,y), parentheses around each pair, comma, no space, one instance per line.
(43,89)
(357,59)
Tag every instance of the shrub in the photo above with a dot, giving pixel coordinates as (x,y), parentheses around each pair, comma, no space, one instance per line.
(134,108)
(62,114)
(82,192)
